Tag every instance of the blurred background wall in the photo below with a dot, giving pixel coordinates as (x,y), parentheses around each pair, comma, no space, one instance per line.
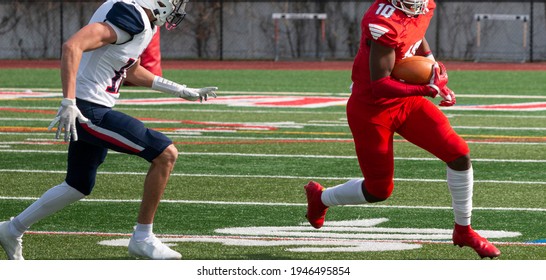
(245,30)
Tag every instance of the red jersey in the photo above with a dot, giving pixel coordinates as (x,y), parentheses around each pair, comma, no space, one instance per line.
(390,27)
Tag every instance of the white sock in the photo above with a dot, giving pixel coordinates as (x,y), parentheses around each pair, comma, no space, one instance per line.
(143,231)
(348,193)
(51,201)
(461,185)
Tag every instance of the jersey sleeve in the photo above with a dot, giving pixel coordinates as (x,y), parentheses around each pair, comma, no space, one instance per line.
(382,32)
(122,36)
(126,17)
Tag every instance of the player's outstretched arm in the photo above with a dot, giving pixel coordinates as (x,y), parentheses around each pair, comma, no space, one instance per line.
(140,76)
(182,91)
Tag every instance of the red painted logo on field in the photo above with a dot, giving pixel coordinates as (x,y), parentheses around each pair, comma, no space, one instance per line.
(530,106)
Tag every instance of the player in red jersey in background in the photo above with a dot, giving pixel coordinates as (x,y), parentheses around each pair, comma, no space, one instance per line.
(379,106)
(151,57)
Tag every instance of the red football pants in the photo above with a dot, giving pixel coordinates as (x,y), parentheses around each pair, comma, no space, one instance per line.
(416,119)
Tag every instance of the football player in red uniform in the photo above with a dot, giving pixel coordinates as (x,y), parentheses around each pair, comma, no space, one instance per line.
(379,106)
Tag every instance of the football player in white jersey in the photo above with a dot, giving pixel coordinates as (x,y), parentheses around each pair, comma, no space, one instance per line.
(94,63)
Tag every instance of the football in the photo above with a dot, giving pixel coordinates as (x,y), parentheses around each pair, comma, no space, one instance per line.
(413,70)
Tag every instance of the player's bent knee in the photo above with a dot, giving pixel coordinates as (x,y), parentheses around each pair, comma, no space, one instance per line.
(377,190)
(173,152)
(85,188)
(461,163)
(168,156)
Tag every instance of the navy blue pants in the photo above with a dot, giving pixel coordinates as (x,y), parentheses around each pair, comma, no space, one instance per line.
(108,129)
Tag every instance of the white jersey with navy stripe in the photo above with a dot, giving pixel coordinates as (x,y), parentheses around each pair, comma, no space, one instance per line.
(102,71)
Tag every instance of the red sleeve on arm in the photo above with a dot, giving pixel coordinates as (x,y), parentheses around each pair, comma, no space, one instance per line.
(388,87)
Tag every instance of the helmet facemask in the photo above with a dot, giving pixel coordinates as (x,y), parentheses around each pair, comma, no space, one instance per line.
(170,12)
(411,7)
(177,15)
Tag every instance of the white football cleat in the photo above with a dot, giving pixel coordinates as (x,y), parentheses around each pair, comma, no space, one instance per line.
(152,248)
(13,246)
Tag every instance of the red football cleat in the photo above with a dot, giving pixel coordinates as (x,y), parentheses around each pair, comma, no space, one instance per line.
(316,210)
(466,236)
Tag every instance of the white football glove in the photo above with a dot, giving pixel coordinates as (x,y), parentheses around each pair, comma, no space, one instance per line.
(193,94)
(182,91)
(66,117)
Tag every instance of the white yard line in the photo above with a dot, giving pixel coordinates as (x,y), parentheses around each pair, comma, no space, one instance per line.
(269,155)
(211,202)
(270,176)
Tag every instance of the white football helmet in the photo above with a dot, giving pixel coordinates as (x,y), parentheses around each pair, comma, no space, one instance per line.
(171,12)
(411,7)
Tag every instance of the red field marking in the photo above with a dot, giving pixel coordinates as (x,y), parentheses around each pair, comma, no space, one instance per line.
(531,106)
(17,110)
(283,65)
(212,124)
(235,125)
(499,139)
(23,129)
